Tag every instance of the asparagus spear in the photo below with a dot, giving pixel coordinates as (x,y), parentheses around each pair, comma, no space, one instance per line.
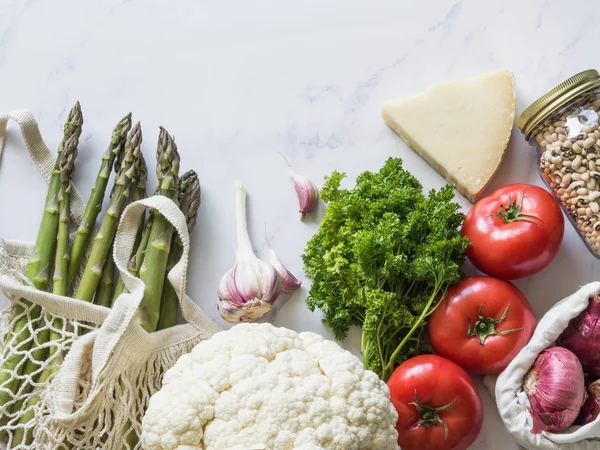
(152,271)
(189,202)
(94,205)
(104,292)
(139,193)
(38,267)
(59,287)
(104,238)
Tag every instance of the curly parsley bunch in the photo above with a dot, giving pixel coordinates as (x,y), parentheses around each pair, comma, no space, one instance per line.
(382,259)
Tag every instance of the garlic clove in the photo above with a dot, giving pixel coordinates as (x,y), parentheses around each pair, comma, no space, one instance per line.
(288,282)
(307,192)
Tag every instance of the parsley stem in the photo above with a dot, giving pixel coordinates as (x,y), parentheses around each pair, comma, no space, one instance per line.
(390,363)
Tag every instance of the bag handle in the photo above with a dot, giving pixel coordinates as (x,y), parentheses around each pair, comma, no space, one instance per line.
(43,158)
(121,322)
(123,248)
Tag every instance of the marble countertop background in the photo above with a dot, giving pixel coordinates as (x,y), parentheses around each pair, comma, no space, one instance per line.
(238,81)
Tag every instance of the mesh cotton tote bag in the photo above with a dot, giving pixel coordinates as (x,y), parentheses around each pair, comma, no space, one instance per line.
(104,365)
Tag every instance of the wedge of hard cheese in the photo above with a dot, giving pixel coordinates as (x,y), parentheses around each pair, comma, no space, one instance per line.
(461,128)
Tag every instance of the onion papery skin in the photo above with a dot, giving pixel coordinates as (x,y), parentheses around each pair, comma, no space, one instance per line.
(555,387)
(591,407)
(582,337)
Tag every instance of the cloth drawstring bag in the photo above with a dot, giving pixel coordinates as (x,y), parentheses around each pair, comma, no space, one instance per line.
(512,402)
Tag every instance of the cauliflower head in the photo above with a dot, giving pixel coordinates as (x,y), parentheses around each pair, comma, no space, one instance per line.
(259,387)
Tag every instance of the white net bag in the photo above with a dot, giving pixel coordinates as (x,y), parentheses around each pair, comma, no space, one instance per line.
(91,381)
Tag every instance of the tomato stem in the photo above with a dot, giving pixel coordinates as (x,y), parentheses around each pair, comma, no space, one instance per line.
(486,326)
(430,415)
(512,212)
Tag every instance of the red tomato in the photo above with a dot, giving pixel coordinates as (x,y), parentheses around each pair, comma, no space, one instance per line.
(515,232)
(438,405)
(482,324)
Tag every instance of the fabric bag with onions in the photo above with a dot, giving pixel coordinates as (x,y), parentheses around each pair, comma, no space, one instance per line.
(549,395)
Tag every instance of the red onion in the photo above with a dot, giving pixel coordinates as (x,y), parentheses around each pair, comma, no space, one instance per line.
(591,407)
(582,337)
(555,387)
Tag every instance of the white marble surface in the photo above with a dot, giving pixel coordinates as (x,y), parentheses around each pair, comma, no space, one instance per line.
(238,81)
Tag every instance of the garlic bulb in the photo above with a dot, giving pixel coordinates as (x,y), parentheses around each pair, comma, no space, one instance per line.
(247,291)
(288,282)
(306,190)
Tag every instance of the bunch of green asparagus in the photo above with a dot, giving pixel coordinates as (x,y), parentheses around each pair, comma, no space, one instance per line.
(157,249)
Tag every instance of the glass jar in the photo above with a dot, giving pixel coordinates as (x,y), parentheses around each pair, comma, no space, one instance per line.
(564,126)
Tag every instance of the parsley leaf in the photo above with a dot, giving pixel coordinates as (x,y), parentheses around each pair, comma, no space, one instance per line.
(382,259)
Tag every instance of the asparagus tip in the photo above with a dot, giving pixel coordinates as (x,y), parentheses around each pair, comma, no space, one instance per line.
(189,197)
(74,121)
(168,159)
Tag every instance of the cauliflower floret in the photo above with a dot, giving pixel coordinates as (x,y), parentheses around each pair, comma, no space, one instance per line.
(258,387)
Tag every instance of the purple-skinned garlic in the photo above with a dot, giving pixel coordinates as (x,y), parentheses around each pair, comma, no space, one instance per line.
(288,282)
(306,190)
(248,290)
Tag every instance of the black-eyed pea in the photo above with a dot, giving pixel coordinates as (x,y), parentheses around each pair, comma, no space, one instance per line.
(588,143)
(566,178)
(594,195)
(576,163)
(586,129)
(589,212)
(592,166)
(582,191)
(566,144)
(576,176)
(581,211)
(577,184)
(595,207)
(551,129)
(576,147)
(560,130)
(591,185)
(585,176)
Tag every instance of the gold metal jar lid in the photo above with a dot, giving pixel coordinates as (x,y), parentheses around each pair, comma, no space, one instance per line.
(555,98)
